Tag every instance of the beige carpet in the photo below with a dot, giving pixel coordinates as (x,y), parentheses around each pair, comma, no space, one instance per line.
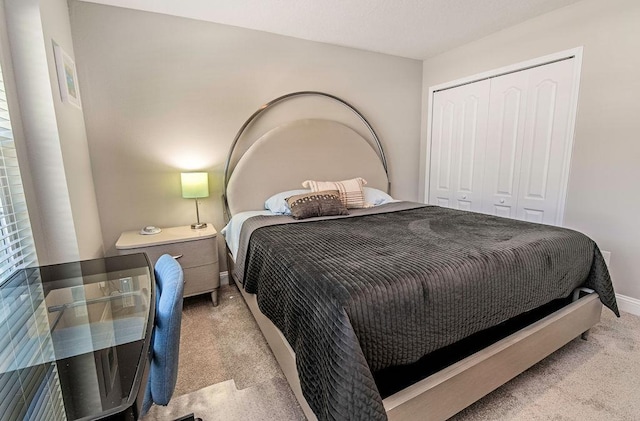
(223,401)
(222,343)
(598,379)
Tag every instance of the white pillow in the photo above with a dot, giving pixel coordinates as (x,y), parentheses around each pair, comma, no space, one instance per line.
(376,197)
(277,203)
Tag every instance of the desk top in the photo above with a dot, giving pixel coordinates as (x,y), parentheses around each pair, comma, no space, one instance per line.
(74,338)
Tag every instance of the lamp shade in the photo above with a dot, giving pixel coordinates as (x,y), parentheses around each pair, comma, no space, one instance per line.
(195,184)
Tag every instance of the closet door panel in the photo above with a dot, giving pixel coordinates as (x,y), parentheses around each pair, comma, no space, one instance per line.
(505,133)
(442,144)
(545,142)
(472,137)
(457,146)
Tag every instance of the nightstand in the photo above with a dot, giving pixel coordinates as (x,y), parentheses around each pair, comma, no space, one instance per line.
(196,250)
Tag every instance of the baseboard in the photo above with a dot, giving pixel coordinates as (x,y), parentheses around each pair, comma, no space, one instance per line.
(628,304)
(224,278)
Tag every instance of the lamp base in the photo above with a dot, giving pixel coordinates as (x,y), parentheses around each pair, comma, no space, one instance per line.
(198,225)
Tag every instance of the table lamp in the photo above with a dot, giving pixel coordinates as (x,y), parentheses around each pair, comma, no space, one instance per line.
(195,185)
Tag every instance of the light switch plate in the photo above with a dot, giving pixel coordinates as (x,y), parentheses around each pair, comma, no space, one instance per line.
(607,257)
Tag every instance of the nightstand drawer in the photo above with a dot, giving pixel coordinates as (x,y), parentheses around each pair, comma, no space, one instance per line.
(199,279)
(189,254)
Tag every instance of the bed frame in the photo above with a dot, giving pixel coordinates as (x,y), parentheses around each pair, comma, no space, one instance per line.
(310,144)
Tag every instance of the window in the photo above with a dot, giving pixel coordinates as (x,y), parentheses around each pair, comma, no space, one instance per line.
(29,383)
(16,242)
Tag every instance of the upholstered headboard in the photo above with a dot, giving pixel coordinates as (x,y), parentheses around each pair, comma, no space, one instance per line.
(300,150)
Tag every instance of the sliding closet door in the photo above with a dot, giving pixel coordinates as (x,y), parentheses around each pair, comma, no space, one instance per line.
(502,145)
(546,142)
(459,130)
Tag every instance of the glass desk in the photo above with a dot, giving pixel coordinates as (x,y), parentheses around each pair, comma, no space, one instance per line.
(74,340)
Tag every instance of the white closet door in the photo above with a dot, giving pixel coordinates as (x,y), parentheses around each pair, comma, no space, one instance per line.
(502,145)
(459,130)
(546,142)
(505,134)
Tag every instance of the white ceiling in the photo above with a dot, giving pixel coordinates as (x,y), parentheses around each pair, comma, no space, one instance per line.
(408,28)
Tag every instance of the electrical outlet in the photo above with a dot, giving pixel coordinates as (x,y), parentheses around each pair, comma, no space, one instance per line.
(126,288)
(607,256)
(77,293)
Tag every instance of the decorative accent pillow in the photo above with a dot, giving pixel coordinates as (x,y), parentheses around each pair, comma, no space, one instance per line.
(322,203)
(351,191)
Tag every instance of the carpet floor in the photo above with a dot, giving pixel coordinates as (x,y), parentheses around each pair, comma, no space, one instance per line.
(227,372)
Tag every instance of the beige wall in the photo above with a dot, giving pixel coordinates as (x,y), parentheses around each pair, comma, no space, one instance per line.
(163,94)
(50,136)
(10,86)
(73,136)
(602,198)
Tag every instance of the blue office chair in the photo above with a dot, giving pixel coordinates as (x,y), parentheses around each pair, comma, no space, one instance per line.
(166,333)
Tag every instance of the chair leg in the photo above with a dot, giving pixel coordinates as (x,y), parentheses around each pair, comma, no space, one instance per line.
(189,417)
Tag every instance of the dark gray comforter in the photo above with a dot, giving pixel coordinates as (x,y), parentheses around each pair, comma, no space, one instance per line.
(357,294)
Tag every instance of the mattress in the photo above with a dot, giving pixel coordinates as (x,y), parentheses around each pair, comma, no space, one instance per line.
(385,286)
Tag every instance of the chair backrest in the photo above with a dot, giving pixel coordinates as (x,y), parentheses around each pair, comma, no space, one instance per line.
(166,332)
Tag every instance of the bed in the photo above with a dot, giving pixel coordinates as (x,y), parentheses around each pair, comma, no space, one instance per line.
(353,306)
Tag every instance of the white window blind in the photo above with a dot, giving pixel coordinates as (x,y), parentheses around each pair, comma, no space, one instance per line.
(16,242)
(29,384)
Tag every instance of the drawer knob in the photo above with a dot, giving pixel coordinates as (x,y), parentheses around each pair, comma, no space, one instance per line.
(177,256)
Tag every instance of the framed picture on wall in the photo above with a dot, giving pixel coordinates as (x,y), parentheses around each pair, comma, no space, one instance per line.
(67,76)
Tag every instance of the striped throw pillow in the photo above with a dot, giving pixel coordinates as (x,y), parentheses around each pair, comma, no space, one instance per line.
(351,191)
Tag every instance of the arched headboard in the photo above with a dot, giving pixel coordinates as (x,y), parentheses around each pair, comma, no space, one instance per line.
(300,150)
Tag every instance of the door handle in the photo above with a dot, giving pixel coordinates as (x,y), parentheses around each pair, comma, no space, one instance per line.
(501,200)
(177,256)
